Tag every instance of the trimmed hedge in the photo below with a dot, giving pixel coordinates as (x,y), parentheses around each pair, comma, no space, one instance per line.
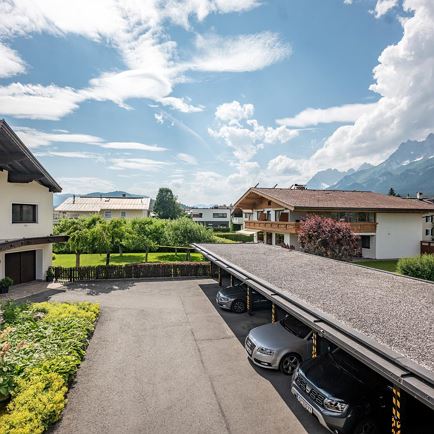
(421,267)
(233,236)
(41,347)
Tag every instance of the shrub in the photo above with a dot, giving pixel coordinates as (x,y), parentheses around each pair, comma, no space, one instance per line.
(421,267)
(328,237)
(41,347)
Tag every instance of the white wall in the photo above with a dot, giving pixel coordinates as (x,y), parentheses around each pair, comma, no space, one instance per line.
(398,235)
(207,214)
(31,193)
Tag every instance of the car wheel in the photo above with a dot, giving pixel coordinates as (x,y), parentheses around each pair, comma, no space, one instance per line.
(238,306)
(367,426)
(289,363)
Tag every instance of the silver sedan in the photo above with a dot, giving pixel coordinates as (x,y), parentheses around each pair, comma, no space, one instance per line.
(281,345)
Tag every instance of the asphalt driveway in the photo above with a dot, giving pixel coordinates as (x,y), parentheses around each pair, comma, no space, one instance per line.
(164,360)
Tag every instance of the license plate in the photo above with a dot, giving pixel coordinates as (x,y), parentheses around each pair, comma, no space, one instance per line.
(303,403)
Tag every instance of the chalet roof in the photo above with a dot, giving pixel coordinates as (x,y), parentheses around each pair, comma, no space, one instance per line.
(97,204)
(21,165)
(333,200)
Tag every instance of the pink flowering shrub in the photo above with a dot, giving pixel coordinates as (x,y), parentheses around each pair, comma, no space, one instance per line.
(329,238)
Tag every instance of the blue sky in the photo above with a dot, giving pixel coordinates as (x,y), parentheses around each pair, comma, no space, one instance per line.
(209,97)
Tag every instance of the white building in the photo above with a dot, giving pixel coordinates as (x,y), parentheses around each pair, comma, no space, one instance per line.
(216,217)
(107,207)
(26,211)
(389,227)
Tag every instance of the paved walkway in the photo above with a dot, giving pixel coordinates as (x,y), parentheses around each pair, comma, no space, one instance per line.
(24,290)
(162,360)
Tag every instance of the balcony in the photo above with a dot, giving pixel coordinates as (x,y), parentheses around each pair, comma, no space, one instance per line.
(293,227)
(237,220)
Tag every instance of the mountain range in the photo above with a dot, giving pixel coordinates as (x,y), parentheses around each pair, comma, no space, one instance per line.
(408,170)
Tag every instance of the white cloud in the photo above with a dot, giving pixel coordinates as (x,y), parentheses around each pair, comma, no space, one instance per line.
(239,53)
(246,136)
(144,164)
(10,62)
(405,109)
(187,158)
(69,154)
(311,117)
(85,184)
(133,146)
(34,138)
(137,29)
(38,102)
(283,165)
(382,7)
(233,112)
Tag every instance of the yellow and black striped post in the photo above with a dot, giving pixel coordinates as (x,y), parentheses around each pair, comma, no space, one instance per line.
(396,410)
(273,313)
(249,300)
(314,345)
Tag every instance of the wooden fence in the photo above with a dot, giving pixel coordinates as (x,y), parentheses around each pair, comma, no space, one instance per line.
(427,247)
(133,271)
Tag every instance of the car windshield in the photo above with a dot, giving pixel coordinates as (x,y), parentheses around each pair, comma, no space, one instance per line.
(295,327)
(350,365)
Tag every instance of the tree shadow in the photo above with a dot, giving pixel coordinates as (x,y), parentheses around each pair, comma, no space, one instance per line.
(129,259)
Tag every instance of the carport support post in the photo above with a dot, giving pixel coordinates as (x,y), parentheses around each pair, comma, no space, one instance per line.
(249,301)
(232,280)
(314,345)
(220,276)
(396,410)
(273,313)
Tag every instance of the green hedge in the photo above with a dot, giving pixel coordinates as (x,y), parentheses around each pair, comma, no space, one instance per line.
(41,347)
(421,267)
(233,236)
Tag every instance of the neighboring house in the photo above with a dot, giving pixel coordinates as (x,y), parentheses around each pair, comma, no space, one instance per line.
(217,217)
(107,207)
(428,227)
(389,227)
(239,217)
(26,211)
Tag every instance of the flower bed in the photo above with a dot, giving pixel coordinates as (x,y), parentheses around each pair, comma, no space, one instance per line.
(41,347)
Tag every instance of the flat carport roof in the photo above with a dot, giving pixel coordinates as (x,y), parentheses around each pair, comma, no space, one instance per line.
(383,319)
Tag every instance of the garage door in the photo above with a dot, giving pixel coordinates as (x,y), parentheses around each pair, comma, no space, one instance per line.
(21,266)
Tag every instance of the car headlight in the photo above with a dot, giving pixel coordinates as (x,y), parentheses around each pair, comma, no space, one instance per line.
(335,405)
(223,298)
(266,351)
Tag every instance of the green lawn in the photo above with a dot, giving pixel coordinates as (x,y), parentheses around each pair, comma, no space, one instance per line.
(380,264)
(68,260)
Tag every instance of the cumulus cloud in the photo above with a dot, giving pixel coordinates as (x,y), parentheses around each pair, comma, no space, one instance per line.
(233,112)
(311,116)
(382,7)
(240,53)
(246,136)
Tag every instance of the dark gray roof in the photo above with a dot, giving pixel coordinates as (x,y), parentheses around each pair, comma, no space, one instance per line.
(21,164)
(393,310)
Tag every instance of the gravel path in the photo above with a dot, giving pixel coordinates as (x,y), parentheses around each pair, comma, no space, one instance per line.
(396,311)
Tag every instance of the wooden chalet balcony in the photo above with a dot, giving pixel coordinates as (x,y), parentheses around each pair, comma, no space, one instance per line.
(293,227)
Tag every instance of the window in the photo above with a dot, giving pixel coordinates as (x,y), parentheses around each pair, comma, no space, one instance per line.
(107,214)
(198,215)
(219,215)
(427,231)
(123,214)
(279,239)
(366,241)
(23,213)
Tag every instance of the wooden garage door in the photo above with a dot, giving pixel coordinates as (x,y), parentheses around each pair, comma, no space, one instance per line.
(21,266)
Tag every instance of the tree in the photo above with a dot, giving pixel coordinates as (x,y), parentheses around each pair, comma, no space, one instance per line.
(328,237)
(79,232)
(166,206)
(392,192)
(146,234)
(184,231)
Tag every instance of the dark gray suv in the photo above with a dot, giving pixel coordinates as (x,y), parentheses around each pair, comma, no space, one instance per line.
(234,298)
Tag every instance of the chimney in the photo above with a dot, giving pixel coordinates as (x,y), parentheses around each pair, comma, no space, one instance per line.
(73,198)
(419,195)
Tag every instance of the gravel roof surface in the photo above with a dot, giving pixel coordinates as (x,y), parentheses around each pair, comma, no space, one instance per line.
(394,310)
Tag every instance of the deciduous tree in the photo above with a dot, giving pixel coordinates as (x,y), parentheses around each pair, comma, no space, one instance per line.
(166,205)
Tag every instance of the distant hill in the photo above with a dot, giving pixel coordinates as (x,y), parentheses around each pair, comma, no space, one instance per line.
(408,170)
(325,178)
(60,198)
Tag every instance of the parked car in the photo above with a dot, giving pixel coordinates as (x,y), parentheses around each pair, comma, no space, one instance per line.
(234,298)
(281,345)
(345,395)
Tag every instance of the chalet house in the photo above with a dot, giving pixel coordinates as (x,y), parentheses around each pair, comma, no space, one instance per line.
(107,207)
(389,227)
(26,211)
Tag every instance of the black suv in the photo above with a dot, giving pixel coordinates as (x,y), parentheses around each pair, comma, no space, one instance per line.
(345,395)
(234,298)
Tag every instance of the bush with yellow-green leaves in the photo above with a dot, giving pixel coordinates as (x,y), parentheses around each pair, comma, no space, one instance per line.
(41,347)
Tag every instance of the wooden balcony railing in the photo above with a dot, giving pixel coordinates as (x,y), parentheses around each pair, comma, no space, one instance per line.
(293,227)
